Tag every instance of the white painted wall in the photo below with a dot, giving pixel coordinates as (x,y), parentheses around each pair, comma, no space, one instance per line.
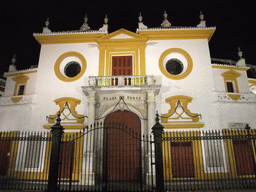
(219,83)
(199,84)
(49,87)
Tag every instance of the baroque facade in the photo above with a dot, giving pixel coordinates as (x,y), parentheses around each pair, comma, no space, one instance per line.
(90,75)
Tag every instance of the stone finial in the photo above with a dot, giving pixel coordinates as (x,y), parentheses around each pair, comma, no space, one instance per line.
(165,23)
(202,21)
(201,16)
(85,26)
(240,53)
(241,61)
(12,67)
(47,23)
(105,25)
(14,59)
(140,18)
(106,19)
(141,25)
(165,14)
(46,28)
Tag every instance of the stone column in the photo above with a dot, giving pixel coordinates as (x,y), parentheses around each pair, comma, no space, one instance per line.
(87,176)
(91,107)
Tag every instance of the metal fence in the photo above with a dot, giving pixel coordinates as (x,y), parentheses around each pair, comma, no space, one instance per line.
(24,160)
(113,157)
(214,159)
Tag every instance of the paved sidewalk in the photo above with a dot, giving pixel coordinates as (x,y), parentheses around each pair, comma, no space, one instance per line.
(221,190)
(224,190)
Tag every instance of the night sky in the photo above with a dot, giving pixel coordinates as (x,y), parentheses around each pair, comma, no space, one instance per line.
(235,23)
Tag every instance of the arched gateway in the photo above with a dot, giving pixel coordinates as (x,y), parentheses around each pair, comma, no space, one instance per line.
(122,159)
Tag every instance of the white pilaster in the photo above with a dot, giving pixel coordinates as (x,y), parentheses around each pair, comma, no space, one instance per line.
(151,108)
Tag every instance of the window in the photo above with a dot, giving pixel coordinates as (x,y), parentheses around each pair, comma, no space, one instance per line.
(72,69)
(70,66)
(174,66)
(230,87)
(182,159)
(175,63)
(21,90)
(230,81)
(122,65)
(33,152)
(214,152)
(20,84)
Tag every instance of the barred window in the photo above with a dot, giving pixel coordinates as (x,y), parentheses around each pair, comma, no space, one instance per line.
(214,152)
(33,151)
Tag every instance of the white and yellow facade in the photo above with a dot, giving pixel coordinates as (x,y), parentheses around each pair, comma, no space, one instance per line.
(200,87)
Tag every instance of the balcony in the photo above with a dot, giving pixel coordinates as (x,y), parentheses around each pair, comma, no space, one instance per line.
(121,81)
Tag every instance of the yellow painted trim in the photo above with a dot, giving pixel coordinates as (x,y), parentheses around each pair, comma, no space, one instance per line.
(13,173)
(73,102)
(19,73)
(184,126)
(78,150)
(172,101)
(43,175)
(109,39)
(68,38)
(197,154)
(252,82)
(60,59)
(231,75)
(185,54)
(134,46)
(230,150)
(67,127)
(178,34)
(16,99)
(230,67)
(234,97)
(20,79)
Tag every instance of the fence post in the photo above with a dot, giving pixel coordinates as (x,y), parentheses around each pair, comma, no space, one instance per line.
(57,131)
(158,131)
(247,128)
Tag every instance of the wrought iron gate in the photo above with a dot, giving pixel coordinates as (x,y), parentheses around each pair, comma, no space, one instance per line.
(106,157)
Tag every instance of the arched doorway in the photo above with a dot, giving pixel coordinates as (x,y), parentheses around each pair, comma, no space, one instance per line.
(122,134)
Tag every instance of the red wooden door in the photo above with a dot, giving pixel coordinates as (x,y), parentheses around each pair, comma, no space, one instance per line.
(182,159)
(66,157)
(5,147)
(243,157)
(122,147)
(121,65)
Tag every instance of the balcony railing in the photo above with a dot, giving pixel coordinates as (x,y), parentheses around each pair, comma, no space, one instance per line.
(236,97)
(121,81)
(18,100)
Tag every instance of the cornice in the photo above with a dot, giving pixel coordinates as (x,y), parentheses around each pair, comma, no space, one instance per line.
(69,37)
(177,33)
(25,71)
(223,66)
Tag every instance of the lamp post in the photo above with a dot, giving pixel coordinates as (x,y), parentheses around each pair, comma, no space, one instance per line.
(57,131)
